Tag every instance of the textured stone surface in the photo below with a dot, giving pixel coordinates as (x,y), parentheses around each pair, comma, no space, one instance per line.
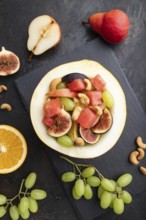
(15,17)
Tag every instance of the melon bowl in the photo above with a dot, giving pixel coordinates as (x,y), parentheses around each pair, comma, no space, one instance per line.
(90,69)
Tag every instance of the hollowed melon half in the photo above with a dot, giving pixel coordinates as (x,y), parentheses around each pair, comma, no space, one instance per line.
(107,140)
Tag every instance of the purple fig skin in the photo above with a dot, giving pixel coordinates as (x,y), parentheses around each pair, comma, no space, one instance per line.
(70,77)
(89,136)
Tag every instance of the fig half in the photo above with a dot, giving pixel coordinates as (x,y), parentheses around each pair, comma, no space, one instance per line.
(9,62)
(72,76)
(104,123)
(88,135)
(61,124)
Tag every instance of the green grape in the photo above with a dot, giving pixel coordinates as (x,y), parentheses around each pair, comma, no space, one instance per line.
(33,205)
(30,180)
(74,194)
(67,103)
(61,85)
(93,181)
(118,206)
(100,191)
(88,193)
(126,196)
(124,180)
(114,195)
(2,211)
(24,204)
(14,213)
(65,140)
(107,185)
(106,199)
(68,177)
(3,199)
(24,215)
(38,194)
(87,172)
(108,98)
(79,187)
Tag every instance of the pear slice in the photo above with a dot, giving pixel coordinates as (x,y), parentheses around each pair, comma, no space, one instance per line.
(44,33)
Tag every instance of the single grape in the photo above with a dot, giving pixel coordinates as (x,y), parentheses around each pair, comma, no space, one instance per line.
(33,205)
(114,195)
(75,196)
(24,204)
(107,185)
(79,187)
(30,180)
(87,172)
(67,103)
(14,212)
(106,199)
(108,99)
(88,193)
(3,199)
(2,211)
(61,85)
(118,206)
(126,196)
(38,194)
(124,180)
(93,181)
(24,215)
(65,141)
(68,177)
(100,191)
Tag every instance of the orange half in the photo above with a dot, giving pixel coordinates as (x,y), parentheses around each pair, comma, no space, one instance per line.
(13,149)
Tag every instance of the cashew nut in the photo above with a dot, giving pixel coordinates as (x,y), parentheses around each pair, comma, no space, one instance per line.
(6,106)
(76,112)
(140,143)
(54,83)
(134,157)
(141,153)
(79,141)
(3,88)
(84,99)
(87,84)
(143,170)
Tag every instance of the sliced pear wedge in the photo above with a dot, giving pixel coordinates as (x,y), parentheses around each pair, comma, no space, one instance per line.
(44,33)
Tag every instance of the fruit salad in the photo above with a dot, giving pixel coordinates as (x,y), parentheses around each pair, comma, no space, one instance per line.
(77,110)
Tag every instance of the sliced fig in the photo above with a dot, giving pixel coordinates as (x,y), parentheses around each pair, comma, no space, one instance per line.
(104,123)
(62,124)
(88,135)
(9,62)
(72,76)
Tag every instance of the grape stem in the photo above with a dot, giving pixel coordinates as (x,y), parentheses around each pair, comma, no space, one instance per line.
(77,165)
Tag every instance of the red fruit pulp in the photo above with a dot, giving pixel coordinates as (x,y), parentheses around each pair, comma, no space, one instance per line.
(52,107)
(77,85)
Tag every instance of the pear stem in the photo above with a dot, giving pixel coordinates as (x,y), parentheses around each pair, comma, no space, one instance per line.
(30,57)
(85,22)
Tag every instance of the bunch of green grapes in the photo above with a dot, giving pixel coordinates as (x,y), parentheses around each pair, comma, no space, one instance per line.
(83,182)
(110,192)
(27,200)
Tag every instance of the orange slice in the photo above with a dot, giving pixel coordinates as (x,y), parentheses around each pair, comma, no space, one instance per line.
(13,149)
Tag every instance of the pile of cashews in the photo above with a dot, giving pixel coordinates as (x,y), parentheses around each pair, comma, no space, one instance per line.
(4,106)
(138,154)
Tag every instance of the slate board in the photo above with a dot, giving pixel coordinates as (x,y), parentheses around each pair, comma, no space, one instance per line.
(115,162)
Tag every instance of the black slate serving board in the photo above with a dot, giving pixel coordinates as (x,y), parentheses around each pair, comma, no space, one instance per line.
(115,162)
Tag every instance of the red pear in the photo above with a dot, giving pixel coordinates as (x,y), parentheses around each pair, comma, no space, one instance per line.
(112,26)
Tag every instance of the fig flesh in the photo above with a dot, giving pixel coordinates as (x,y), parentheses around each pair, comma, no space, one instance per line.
(9,62)
(104,123)
(88,135)
(61,124)
(72,76)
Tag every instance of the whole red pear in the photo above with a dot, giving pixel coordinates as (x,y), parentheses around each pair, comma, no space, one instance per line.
(112,26)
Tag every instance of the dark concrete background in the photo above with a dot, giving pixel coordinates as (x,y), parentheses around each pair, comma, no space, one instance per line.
(15,17)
